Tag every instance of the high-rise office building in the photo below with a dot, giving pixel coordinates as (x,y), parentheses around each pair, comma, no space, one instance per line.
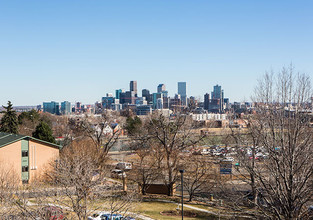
(66,108)
(206,101)
(155,97)
(217,100)
(159,104)
(161,88)
(128,97)
(226,103)
(182,91)
(78,105)
(118,93)
(133,87)
(147,95)
(217,93)
(51,107)
(107,101)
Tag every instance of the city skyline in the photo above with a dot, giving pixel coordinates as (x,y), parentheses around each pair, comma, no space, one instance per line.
(79,51)
(139,93)
(148,102)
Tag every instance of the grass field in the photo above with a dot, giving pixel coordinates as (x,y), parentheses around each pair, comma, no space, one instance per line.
(153,209)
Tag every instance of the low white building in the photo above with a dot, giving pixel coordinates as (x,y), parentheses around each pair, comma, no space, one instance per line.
(208,116)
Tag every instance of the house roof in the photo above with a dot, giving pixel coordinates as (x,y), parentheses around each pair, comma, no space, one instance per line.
(7,138)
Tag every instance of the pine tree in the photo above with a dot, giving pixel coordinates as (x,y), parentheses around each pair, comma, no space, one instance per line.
(43,132)
(133,125)
(9,122)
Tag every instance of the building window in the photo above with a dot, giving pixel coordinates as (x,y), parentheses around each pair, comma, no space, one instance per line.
(24,168)
(25,153)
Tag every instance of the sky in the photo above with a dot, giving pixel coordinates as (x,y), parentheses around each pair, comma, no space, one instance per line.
(79,50)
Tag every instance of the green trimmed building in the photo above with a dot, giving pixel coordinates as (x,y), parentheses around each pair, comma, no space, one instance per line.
(26,158)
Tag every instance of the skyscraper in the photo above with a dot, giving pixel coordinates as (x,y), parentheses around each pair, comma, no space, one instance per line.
(107,102)
(206,101)
(161,88)
(146,94)
(217,99)
(159,104)
(51,107)
(155,97)
(66,108)
(133,87)
(182,91)
(217,93)
(118,93)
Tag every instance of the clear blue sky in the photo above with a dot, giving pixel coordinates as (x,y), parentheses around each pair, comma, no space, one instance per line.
(80,50)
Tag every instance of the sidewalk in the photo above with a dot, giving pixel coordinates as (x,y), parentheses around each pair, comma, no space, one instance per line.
(205,211)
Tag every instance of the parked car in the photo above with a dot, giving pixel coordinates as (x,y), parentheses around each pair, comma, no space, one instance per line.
(108,216)
(205,151)
(51,213)
(44,213)
(310,210)
(227,159)
(124,166)
(118,174)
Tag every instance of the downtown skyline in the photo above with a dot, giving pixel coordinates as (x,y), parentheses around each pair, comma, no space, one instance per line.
(79,51)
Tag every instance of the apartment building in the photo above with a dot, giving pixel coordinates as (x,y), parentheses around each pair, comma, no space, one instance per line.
(27,157)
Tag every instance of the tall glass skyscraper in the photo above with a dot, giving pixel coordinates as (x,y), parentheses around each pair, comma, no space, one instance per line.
(161,88)
(51,107)
(133,87)
(217,93)
(182,91)
(217,99)
(66,108)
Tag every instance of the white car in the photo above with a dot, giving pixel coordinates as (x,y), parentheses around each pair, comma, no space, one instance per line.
(124,166)
(227,159)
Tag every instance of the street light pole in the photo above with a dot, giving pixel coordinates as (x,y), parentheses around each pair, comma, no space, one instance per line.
(182,193)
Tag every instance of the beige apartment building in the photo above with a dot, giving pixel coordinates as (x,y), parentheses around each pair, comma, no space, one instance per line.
(26,158)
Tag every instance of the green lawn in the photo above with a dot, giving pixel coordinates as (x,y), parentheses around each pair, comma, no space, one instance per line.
(153,209)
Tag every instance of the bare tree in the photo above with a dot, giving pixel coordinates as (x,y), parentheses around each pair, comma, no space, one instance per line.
(146,164)
(8,186)
(145,168)
(172,136)
(119,202)
(199,175)
(281,127)
(77,174)
(96,129)
(247,144)
(83,187)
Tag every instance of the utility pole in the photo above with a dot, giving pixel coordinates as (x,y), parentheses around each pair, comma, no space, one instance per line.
(182,193)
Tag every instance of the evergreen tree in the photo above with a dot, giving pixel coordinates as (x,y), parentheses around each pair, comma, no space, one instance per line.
(9,122)
(133,125)
(31,115)
(43,132)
